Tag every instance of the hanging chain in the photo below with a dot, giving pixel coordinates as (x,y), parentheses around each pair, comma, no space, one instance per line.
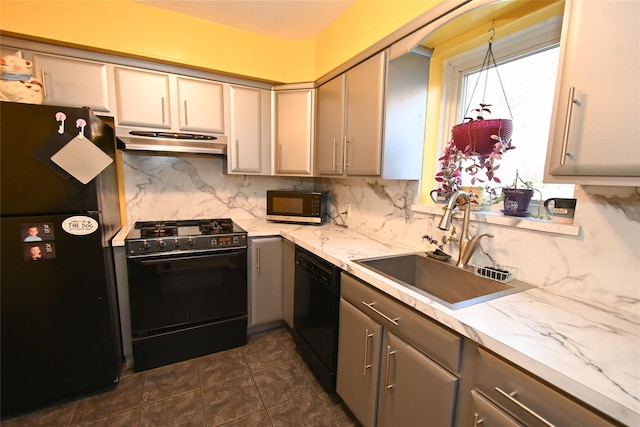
(486,64)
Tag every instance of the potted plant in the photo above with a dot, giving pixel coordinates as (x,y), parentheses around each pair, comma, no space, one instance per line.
(480,166)
(478,135)
(517,197)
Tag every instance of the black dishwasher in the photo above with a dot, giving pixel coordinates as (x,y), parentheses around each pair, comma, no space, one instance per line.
(315,315)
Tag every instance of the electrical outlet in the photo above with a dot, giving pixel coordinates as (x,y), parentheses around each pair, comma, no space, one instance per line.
(347,210)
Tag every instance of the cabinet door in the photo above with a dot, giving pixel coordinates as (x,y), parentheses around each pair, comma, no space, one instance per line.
(142,98)
(413,389)
(294,131)
(265,280)
(330,127)
(365,96)
(72,82)
(359,342)
(597,135)
(200,105)
(250,128)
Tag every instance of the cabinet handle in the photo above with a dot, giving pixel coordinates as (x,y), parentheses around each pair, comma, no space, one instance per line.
(237,155)
(346,152)
(388,386)
(367,337)
(477,420)
(258,258)
(186,116)
(162,102)
(375,310)
(333,156)
(280,158)
(511,397)
(567,125)
(44,83)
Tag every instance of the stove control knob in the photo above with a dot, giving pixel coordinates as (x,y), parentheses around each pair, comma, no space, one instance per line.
(190,242)
(176,243)
(145,245)
(161,244)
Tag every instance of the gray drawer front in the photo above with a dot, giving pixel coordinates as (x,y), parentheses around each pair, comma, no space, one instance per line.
(493,374)
(433,340)
(486,414)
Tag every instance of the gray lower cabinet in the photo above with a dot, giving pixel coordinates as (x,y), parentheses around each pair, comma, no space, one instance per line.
(386,375)
(265,281)
(522,398)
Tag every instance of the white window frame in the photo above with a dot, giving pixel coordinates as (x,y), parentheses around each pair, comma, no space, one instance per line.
(537,37)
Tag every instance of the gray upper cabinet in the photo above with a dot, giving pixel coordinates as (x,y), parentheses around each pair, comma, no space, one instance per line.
(249,148)
(294,132)
(143,98)
(371,119)
(595,126)
(200,105)
(349,121)
(72,82)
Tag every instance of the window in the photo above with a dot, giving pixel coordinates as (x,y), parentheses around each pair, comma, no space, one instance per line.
(527,65)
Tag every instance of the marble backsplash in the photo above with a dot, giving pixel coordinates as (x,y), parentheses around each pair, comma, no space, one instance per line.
(601,264)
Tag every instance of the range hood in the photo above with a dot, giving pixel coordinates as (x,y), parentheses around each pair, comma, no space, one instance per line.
(172,142)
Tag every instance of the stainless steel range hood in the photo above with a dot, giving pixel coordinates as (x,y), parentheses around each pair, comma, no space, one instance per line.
(172,142)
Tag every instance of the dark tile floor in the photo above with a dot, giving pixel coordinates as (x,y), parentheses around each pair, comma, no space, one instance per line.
(264,383)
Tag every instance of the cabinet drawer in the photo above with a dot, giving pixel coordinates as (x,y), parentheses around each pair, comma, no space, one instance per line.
(486,414)
(526,398)
(431,339)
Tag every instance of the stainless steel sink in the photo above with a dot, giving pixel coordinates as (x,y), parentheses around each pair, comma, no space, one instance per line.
(441,281)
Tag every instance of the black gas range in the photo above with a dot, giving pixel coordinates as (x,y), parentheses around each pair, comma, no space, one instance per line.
(165,237)
(187,289)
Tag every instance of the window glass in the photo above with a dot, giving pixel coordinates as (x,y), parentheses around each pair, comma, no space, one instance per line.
(527,73)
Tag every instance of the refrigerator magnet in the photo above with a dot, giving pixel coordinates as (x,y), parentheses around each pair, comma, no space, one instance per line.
(79,225)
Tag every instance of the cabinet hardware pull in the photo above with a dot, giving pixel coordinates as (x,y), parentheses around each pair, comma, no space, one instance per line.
(333,156)
(477,420)
(44,83)
(186,117)
(346,152)
(567,125)
(258,258)
(237,156)
(162,102)
(388,386)
(367,336)
(375,310)
(511,397)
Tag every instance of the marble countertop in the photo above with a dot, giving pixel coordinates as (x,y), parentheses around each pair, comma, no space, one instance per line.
(587,349)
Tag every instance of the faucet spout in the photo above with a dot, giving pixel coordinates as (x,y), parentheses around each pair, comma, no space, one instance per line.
(467,246)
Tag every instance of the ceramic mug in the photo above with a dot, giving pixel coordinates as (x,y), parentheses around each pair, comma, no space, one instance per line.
(561,210)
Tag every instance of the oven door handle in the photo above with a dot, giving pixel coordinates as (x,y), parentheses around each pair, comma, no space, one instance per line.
(164,260)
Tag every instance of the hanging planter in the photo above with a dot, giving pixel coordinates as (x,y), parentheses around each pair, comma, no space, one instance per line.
(478,136)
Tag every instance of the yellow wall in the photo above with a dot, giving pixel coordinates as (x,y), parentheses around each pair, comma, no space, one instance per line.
(136,30)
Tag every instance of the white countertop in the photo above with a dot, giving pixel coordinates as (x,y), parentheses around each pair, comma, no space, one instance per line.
(589,350)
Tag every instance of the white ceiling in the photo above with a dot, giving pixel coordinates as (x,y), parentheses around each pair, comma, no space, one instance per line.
(282,19)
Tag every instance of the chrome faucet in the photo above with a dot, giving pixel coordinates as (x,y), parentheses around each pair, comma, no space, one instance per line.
(467,246)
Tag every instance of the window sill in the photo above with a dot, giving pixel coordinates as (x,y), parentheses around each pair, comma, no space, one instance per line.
(496,218)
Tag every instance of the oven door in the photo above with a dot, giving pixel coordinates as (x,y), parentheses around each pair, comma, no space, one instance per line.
(171,292)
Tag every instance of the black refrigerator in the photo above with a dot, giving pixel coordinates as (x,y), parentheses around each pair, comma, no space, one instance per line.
(59,321)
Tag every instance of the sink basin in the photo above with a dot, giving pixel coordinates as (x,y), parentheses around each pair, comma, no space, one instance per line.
(443,282)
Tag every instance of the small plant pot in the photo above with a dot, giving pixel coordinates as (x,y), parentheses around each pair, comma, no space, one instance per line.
(516,201)
(478,134)
(476,194)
